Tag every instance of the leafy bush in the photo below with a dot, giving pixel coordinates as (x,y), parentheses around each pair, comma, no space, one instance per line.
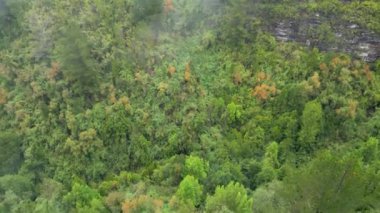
(230,198)
(21,186)
(142,203)
(10,154)
(190,191)
(196,167)
(83,198)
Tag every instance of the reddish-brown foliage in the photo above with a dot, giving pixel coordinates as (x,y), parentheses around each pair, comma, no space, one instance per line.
(187,72)
(171,70)
(323,67)
(112,94)
(352,108)
(261,76)
(114,200)
(238,79)
(315,81)
(263,91)
(3,96)
(131,205)
(335,62)
(168,6)
(53,71)
(125,102)
(368,72)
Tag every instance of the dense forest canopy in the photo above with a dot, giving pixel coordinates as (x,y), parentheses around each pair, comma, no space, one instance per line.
(189,106)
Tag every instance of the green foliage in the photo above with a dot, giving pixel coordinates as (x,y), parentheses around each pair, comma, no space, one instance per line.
(234,112)
(269,165)
(266,199)
(230,198)
(78,66)
(82,198)
(83,156)
(11,153)
(11,16)
(325,34)
(190,191)
(50,189)
(146,9)
(196,167)
(140,151)
(46,206)
(154,104)
(331,182)
(188,17)
(311,124)
(226,173)
(370,151)
(169,173)
(19,185)
(251,168)
(16,193)
(142,203)
(237,26)
(12,203)
(50,197)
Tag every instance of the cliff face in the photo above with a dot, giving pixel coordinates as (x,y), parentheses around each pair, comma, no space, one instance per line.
(343,37)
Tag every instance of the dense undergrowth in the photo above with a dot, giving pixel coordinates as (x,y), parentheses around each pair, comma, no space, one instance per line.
(183,106)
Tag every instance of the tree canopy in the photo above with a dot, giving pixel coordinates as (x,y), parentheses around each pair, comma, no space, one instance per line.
(189,106)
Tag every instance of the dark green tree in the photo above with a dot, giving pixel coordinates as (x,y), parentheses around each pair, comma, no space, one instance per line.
(78,66)
(11,155)
(331,182)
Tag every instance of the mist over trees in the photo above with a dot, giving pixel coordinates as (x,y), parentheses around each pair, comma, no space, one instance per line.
(189,106)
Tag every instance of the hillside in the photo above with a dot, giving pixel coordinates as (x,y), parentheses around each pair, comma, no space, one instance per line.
(189,106)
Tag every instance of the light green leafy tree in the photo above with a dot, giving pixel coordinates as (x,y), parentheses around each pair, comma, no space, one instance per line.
(190,191)
(234,112)
(196,167)
(269,165)
(82,198)
(311,124)
(230,198)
